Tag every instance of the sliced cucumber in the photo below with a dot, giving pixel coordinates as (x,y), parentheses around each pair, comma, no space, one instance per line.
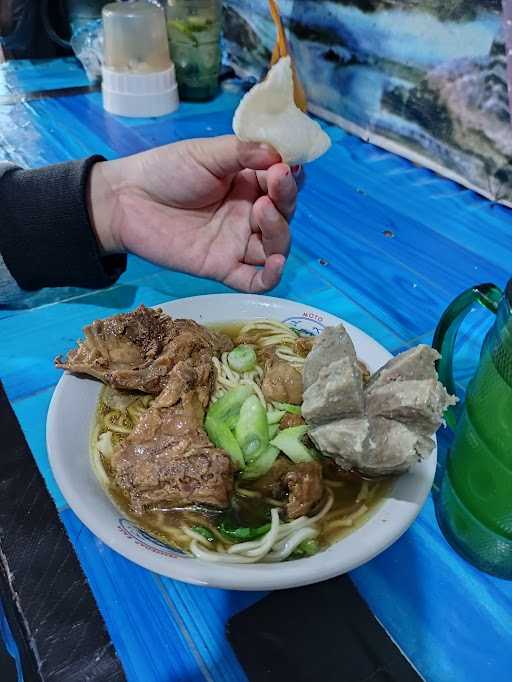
(273,430)
(288,407)
(221,437)
(258,467)
(251,430)
(290,442)
(274,416)
(229,405)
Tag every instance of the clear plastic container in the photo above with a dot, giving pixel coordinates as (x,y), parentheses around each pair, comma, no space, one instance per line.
(194,28)
(135,38)
(138,75)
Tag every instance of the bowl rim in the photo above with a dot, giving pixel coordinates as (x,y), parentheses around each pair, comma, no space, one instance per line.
(387,523)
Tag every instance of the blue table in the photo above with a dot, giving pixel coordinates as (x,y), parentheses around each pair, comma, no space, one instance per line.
(377,241)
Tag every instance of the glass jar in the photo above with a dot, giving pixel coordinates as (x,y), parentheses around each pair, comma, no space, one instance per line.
(194,30)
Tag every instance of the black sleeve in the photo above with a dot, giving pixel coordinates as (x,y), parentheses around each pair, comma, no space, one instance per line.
(46,239)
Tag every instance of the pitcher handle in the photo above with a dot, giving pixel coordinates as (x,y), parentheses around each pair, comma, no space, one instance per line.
(489,296)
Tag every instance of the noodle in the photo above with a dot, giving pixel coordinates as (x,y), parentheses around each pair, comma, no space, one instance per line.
(227,378)
(260,335)
(195,536)
(363,493)
(268,328)
(248,493)
(276,545)
(347,520)
(333,484)
(117,422)
(97,463)
(289,355)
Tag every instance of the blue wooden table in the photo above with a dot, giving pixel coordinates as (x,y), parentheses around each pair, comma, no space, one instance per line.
(377,241)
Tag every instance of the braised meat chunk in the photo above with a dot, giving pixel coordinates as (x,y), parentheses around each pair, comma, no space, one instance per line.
(137,350)
(167,461)
(301,484)
(305,489)
(282,382)
(290,420)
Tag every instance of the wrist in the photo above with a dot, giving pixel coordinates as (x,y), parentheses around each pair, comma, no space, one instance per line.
(100,205)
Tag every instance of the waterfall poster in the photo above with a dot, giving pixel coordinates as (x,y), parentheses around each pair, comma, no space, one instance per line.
(424,78)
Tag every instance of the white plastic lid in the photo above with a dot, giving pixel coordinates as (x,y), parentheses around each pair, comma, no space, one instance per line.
(140,94)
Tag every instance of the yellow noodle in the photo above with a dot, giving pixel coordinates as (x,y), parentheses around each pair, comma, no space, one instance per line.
(266,326)
(276,340)
(118,422)
(97,461)
(289,355)
(337,513)
(346,521)
(248,493)
(363,493)
(334,484)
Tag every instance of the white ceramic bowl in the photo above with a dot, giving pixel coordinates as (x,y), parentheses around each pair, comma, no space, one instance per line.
(68,430)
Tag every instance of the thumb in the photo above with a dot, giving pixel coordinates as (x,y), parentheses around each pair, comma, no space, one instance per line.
(227,155)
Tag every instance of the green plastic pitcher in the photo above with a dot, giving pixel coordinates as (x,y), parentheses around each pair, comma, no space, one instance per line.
(474,504)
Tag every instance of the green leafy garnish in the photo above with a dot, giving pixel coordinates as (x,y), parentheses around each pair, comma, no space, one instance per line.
(287,407)
(306,548)
(205,532)
(241,534)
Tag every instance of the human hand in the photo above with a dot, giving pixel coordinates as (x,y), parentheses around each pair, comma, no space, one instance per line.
(216,208)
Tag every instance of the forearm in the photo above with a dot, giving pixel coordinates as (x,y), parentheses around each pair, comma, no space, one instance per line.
(47,236)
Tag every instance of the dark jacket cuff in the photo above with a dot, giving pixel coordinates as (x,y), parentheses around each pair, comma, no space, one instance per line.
(46,238)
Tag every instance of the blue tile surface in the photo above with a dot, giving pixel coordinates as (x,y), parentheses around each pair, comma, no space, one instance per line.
(377,241)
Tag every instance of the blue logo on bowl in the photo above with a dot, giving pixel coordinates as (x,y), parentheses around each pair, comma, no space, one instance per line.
(146,540)
(308,323)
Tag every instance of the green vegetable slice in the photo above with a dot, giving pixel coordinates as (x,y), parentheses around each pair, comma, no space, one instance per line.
(274,416)
(263,463)
(273,430)
(242,358)
(306,548)
(232,421)
(205,532)
(241,534)
(220,435)
(229,405)
(251,430)
(287,407)
(290,442)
